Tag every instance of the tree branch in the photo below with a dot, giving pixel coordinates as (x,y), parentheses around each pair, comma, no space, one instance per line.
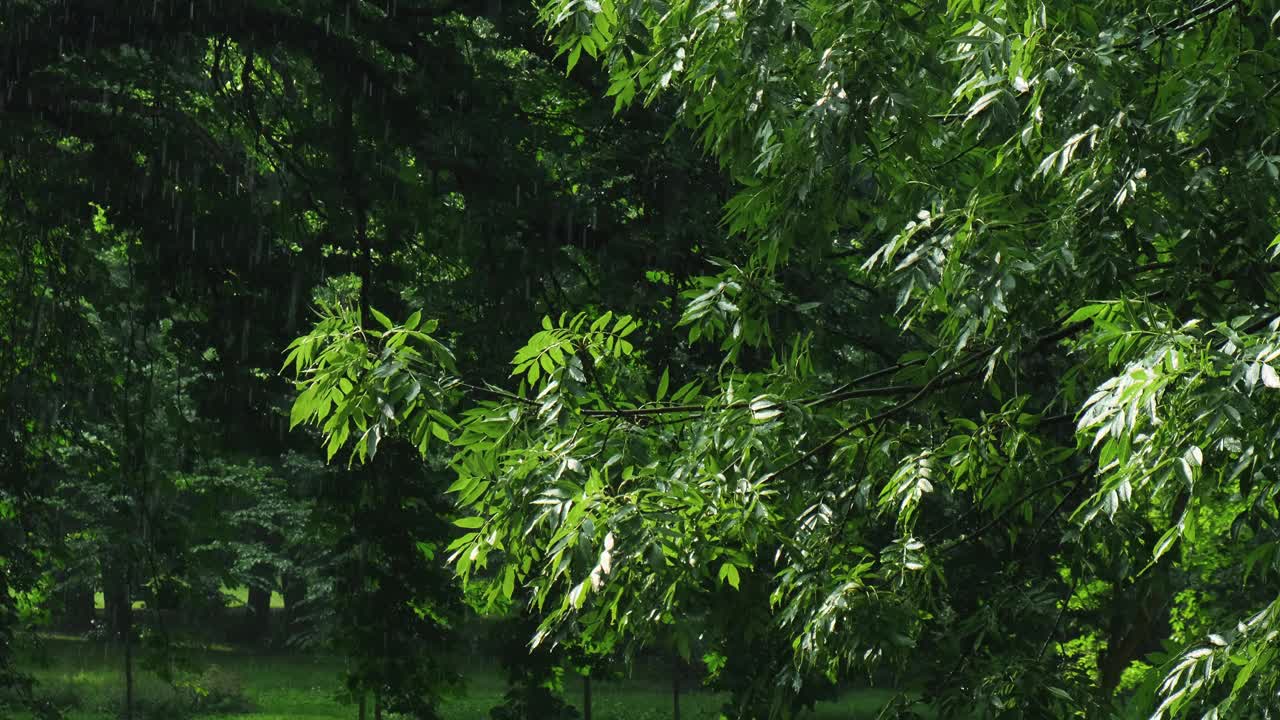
(966,537)
(1199,14)
(882,415)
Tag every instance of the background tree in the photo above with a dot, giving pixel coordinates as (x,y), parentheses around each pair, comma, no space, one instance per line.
(240,156)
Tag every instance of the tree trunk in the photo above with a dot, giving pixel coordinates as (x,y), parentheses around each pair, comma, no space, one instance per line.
(675,690)
(259,617)
(586,696)
(363,698)
(377,706)
(125,608)
(1139,618)
(115,602)
(77,609)
(128,678)
(294,591)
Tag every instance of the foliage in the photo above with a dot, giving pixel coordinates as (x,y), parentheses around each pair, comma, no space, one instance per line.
(175,181)
(949,363)
(1063,217)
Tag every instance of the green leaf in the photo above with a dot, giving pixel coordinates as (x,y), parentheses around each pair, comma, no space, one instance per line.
(439,432)
(729,572)
(663,383)
(469,523)
(1166,541)
(981,103)
(1085,313)
(509,582)
(383,320)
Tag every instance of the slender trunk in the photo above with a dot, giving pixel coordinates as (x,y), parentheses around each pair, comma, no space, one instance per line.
(355,198)
(128,679)
(363,698)
(586,696)
(675,689)
(295,291)
(366,261)
(114,599)
(127,614)
(377,706)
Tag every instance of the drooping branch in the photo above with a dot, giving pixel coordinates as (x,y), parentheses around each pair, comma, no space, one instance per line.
(968,537)
(1199,14)
(922,392)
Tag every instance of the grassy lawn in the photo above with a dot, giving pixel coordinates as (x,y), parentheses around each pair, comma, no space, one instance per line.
(302,687)
(236,597)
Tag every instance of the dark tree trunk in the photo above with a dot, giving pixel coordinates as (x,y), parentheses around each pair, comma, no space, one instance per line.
(77,609)
(116,603)
(168,596)
(586,696)
(125,610)
(128,678)
(1139,618)
(675,689)
(294,591)
(258,621)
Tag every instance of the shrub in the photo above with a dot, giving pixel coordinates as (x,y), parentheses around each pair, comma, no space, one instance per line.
(218,690)
(533,703)
(155,699)
(214,691)
(62,693)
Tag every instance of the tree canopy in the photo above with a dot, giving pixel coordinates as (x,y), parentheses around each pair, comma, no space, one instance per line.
(930,344)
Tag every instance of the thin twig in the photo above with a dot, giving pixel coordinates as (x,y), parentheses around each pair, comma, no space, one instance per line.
(849,429)
(966,537)
(1199,14)
(1075,582)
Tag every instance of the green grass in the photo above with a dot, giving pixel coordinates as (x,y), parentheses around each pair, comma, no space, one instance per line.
(302,687)
(100,603)
(236,597)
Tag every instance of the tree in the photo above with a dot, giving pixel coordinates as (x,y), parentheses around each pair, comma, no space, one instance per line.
(998,351)
(423,152)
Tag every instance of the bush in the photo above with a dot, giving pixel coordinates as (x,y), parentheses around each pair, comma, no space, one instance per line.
(218,690)
(155,699)
(533,703)
(62,693)
(215,690)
